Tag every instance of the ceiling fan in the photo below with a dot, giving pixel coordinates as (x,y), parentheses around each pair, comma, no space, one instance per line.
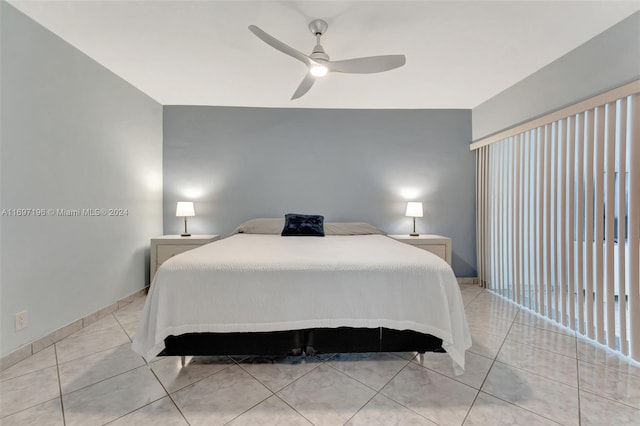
(318,61)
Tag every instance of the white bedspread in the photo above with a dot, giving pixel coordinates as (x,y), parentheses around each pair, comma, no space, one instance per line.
(251,282)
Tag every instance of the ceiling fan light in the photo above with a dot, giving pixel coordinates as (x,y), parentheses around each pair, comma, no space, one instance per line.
(318,70)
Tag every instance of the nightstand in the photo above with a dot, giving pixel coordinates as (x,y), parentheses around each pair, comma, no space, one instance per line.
(436,244)
(167,246)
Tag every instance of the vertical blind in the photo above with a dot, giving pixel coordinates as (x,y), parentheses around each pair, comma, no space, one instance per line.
(558,216)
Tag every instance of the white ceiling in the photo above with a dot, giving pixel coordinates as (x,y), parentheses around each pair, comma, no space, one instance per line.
(459,53)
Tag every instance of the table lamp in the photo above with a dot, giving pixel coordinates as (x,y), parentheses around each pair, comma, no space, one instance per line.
(185,209)
(414,209)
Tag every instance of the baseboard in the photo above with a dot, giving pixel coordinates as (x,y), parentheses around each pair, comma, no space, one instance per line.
(468,280)
(37,345)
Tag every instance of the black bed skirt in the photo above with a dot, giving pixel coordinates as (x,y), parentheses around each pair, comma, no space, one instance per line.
(295,342)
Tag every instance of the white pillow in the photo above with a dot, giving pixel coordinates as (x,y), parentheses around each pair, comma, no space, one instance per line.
(351,228)
(260,226)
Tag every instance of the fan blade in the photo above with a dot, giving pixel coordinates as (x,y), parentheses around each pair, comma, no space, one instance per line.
(277,44)
(368,65)
(304,87)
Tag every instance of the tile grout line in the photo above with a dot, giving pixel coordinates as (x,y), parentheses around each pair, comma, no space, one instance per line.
(251,408)
(43,402)
(2,417)
(71,338)
(519,407)
(612,400)
(290,383)
(363,405)
(605,367)
(522,308)
(377,392)
(237,363)
(388,397)
(474,297)
(293,408)
(536,374)
(578,377)
(256,404)
(489,372)
(133,411)
(465,384)
(416,364)
(55,352)
(359,381)
(546,349)
(308,372)
(596,364)
(536,348)
(454,378)
(492,361)
(274,393)
(192,383)
(121,326)
(466,416)
(27,373)
(498,352)
(171,397)
(99,381)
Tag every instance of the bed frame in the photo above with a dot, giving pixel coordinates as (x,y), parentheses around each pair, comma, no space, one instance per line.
(296,342)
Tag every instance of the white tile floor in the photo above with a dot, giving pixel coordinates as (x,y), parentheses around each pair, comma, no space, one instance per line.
(520,370)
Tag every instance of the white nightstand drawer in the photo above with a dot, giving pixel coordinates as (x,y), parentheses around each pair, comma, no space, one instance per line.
(167,246)
(436,244)
(438,250)
(165,252)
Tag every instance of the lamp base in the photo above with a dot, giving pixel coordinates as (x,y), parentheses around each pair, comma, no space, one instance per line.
(185,235)
(414,234)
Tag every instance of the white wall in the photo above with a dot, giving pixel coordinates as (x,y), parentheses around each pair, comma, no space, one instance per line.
(608,60)
(74,135)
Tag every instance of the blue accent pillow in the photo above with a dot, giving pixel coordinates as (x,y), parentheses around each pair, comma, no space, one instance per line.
(306,225)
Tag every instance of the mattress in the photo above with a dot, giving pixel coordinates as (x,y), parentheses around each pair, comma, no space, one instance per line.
(255,283)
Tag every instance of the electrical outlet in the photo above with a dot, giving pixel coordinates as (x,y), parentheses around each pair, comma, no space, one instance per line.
(22,320)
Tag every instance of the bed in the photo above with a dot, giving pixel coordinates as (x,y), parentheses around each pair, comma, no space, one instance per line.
(256,292)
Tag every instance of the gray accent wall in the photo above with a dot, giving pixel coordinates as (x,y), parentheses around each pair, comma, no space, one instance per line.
(73,136)
(348,165)
(605,62)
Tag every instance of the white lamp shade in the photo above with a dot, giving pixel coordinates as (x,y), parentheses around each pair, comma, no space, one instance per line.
(185,208)
(414,209)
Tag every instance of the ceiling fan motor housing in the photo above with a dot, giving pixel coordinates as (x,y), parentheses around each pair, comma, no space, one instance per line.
(319,53)
(318,27)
